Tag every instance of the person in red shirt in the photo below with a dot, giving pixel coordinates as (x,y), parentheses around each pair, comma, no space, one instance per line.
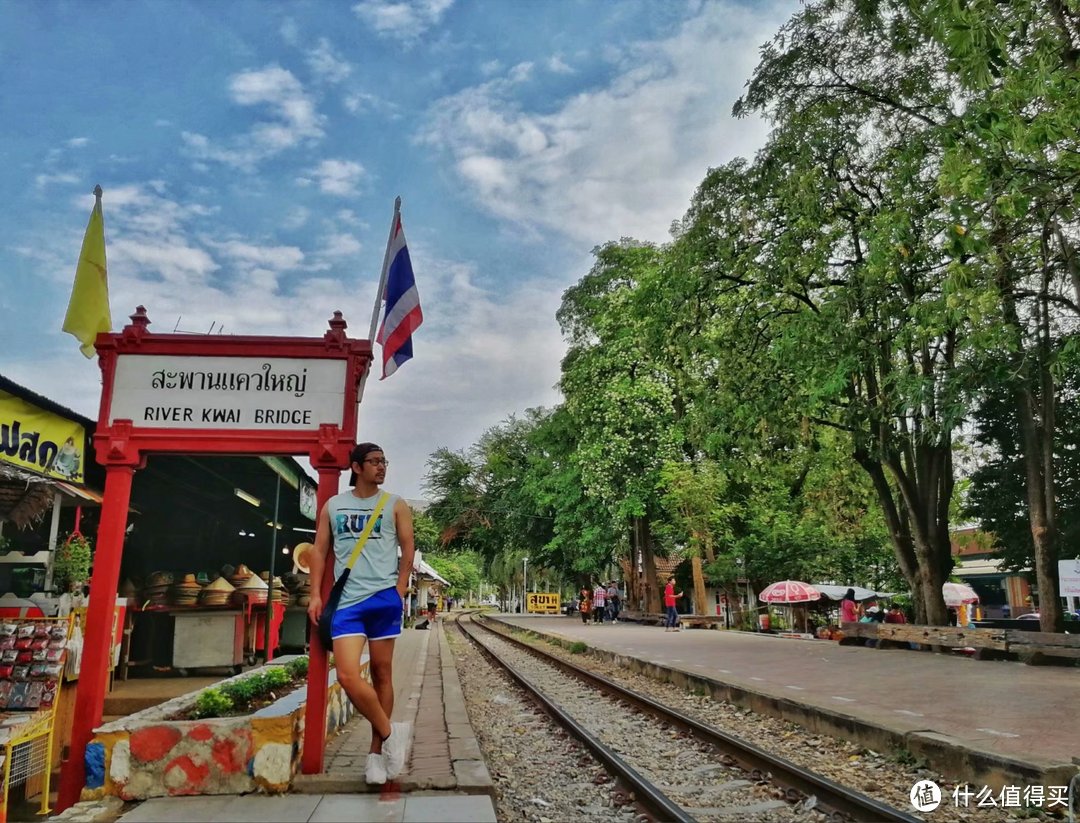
(670,597)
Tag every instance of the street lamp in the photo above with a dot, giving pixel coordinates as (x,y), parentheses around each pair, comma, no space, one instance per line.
(524,586)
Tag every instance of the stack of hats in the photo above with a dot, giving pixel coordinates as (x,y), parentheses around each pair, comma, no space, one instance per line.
(156,591)
(240,576)
(186,592)
(216,593)
(127,589)
(281,594)
(251,591)
(302,592)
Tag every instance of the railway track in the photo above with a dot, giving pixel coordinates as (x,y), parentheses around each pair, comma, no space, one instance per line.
(706,775)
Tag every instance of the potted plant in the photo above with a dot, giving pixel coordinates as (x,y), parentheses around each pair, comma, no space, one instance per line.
(71,566)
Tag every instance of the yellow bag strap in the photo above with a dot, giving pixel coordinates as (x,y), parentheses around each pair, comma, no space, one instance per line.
(366,533)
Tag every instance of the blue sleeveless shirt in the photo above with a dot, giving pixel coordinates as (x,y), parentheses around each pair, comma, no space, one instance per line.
(377,567)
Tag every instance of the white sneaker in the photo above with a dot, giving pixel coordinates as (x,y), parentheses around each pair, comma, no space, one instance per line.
(396,749)
(375,772)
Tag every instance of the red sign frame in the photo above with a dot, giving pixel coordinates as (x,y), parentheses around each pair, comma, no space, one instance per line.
(123,443)
(123,447)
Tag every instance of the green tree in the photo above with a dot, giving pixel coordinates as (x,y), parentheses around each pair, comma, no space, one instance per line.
(619,401)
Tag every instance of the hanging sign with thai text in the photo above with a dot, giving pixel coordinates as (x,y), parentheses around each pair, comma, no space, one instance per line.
(39,440)
(162,391)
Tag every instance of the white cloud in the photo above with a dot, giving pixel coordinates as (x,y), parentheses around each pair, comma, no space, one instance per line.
(296,218)
(43,180)
(78,142)
(338,177)
(326,65)
(278,258)
(405,20)
(621,160)
(556,65)
(292,119)
(478,356)
(290,32)
(340,245)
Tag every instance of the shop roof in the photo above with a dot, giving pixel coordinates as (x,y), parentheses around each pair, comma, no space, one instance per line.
(11,387)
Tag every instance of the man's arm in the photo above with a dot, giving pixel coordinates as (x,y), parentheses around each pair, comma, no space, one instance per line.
(403,523)
(317,563)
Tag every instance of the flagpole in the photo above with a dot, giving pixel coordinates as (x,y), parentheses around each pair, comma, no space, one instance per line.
(379,296)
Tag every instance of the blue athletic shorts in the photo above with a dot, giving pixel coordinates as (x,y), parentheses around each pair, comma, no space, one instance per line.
(376,618)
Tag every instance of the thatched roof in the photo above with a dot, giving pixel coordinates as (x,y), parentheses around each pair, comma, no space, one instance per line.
(24,497)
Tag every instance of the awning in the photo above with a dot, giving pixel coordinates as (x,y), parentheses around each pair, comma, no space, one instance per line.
(80,492)
(424,569)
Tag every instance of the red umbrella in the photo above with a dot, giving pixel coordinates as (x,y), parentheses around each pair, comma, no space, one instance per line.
(789,591)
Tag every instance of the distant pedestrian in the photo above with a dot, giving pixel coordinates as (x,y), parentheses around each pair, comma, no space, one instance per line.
(599,602)
(613,601)
(849,608)
(670,599)
(585,604)
(895,615)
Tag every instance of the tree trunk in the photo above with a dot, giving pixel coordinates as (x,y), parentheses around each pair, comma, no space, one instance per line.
(898,523)
(648,561)
(1037,445)
(1040,512)
(700,606)
(635,595)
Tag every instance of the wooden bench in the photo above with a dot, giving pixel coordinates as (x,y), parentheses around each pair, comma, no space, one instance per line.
(1031,647)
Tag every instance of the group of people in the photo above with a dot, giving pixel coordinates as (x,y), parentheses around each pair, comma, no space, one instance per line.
(602,601)
(852,612)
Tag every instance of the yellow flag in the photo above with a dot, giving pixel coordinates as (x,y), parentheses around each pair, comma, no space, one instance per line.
(88,309)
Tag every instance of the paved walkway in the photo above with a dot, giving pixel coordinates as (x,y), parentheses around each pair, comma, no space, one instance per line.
(1005,708)
(317,808)
(446,778)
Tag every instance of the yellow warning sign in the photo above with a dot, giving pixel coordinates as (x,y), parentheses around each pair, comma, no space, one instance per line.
(542,603)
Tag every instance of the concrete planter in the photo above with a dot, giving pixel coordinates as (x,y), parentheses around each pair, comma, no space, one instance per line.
(147,755)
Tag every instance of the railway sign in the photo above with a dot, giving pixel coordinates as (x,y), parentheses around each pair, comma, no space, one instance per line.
(542,603)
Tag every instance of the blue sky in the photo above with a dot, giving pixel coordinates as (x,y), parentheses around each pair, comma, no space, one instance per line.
(250,154)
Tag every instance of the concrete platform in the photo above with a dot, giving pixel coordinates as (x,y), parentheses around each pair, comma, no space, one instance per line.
(977,720)
(444,753)
(313,808)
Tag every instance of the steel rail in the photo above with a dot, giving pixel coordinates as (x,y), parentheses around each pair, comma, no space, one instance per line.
(646,794)
(832,797)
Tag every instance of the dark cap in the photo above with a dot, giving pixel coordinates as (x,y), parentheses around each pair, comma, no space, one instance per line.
(357,455)
(362,450)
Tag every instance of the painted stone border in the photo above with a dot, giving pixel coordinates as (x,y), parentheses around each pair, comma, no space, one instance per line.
(147,755)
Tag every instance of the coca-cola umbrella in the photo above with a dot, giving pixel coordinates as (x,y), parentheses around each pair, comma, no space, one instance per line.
(788,592)
(958,594)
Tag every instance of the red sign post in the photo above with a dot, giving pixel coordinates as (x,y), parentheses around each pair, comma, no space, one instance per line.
(236,395)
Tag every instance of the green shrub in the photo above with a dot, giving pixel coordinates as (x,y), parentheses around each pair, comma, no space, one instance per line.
(244,691)
(213,702)
(577,647)
(297,668)
(275,678)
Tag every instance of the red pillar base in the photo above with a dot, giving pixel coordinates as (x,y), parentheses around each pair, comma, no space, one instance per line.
(311,758)
(97,633)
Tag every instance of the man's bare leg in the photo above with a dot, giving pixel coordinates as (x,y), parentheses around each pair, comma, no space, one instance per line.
(382,679)
(347,651)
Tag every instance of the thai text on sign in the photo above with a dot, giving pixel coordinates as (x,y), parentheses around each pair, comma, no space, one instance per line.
(542,603)
(163,391)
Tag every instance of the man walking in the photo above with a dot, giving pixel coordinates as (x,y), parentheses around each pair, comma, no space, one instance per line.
(599,603)
(613,601)
(670,598)
(371,604)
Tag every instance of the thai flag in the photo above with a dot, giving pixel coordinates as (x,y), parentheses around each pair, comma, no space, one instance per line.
(403,314)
